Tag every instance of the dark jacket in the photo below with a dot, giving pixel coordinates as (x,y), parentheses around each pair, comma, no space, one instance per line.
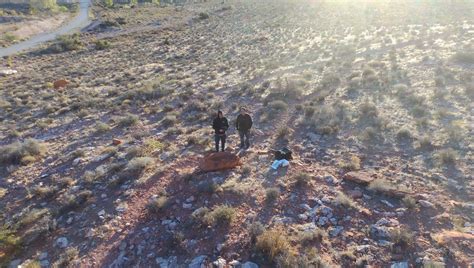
(244,122)
(220,123)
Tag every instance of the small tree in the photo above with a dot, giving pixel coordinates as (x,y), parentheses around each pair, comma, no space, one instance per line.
(109,3)
(43,4)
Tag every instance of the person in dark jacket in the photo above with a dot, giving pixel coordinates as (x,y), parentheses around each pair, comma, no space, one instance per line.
(243,124)
(220,126)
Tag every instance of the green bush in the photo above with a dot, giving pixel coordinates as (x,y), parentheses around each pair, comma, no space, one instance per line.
(67,43)
(101,44)
(220,215)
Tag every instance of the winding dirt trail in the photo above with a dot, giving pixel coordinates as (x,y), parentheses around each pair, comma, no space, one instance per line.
(81,20)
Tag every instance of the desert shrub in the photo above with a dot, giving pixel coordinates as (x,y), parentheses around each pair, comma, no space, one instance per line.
(15,152)
(203,16)
(157,205)
(32,216)
(354,163)
(355,82)
(440,81)
(220,215)
(31,264)
(419,110)
(469,90)
(381,185)
(278,106)
(404,133)
(128,120)
(368,109)
(309,236)
(138,164)
(67,43)
(208,187)
(151,146)
(368,135)
(368,72)
(329,80)
(73,201)
(45,191)
(401,237)
(425,142)
(283,132)
(272,244)
(465,57)
(272,194)
(169,121)
(9,244)
(199,215)
(3,192)
(409,202)
(433,264)
(78,153)
(343,200)
(309,111)
(302,178)
(92,176)
(101,44)
(328,118)
(446,157)
(65,258)
(246,170)
(255,229)
(101,127)
(400,89)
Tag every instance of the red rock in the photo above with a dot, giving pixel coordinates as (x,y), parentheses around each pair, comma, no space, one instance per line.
(60,83)
(359,177)
(219,161)
(116,142)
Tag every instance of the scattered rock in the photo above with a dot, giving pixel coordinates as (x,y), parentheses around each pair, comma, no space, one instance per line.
(76,161)
(379,231)
(220,263)
(426,204)
(43,256)
(6,72)
(359,177)
(198,261)
(387,203)
(171,262)
(355,194)
(303,217)
(336,231)
(400,265)
(62,242)
(313,137)
(234,263)
(249,264)
(15,263)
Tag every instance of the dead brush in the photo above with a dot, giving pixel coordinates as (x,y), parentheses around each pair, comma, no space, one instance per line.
(271,244)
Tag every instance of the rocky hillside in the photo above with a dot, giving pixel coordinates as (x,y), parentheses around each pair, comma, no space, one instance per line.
(102,134)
